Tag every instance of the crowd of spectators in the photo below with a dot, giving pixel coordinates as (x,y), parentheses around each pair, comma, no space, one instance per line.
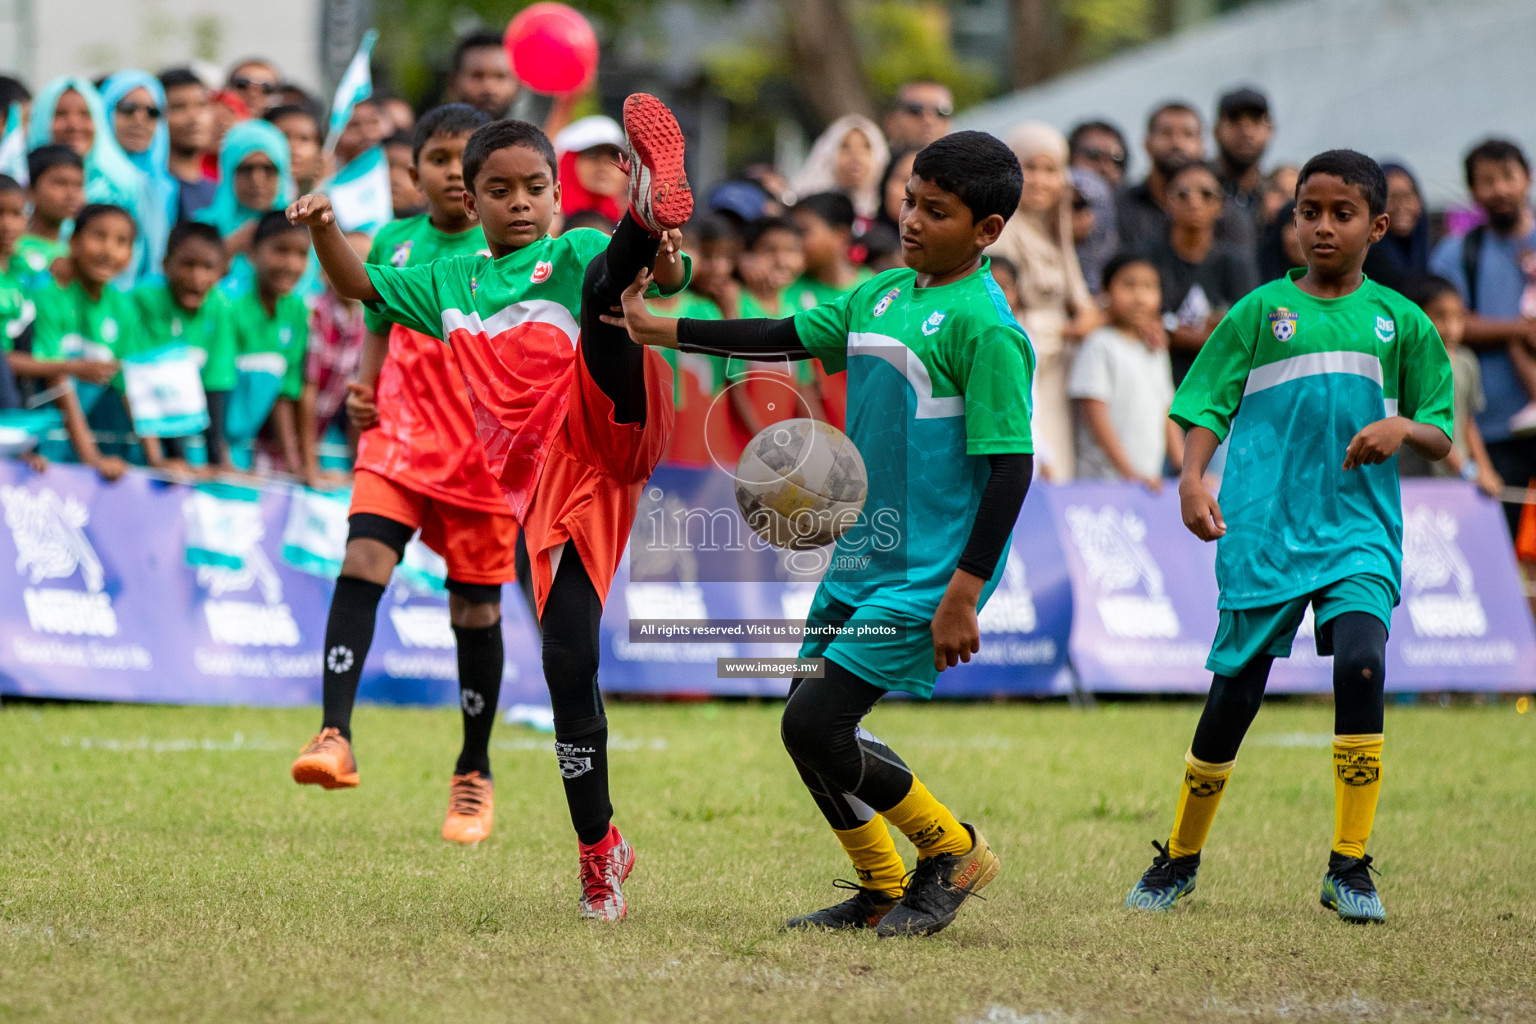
(150,218)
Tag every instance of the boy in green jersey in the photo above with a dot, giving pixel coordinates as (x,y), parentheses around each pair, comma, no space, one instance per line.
(84,325)
(57,192)
(825,221)
(572,417)
(1316,381)
(271,327)
(186,308)
(938,385)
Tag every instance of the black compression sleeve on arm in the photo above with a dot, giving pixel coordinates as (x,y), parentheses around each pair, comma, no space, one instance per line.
(750,339)
(998,511)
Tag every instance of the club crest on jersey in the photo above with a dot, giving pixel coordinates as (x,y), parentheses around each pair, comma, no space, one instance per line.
(885,301)
(1283,323)
(1386,329)
(931,325)
(541,272)
(401,256)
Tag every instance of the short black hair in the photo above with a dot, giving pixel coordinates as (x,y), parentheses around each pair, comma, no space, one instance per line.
(494,135)
(1495,151)
(96,211)
(833,209)
(977,168)
(192,230)
(713,227)
(45,158)
(1351,168)
(1426,288)
(1195,165)
(10,184)
(172,78)
(277,113)
(448,119)
(760,227)
(588,219)
(1118,262)
(272,224)
(12,90)
(1173,107)
(480,39)
(1075,136)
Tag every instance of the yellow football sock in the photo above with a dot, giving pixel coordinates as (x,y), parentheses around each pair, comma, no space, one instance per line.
(1356,788)
(928,823)
(874,855)
(1199,797)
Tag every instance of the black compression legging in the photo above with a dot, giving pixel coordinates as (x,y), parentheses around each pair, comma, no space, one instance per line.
(1359,654)
(850,773)
(616,363)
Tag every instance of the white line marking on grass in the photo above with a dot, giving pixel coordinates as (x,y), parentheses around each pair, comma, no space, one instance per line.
(999,1014)
(144,744)
(1310,740)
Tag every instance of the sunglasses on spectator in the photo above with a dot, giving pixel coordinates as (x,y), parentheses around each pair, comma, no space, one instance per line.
(128,109)
(919,109)
(1186,194)
(1114,156)
(267,88)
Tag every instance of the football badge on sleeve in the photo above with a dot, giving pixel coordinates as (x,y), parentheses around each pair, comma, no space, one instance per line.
(1283,323)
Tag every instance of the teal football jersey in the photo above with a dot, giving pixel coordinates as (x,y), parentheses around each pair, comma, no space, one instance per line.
(938,379)
(1289,379)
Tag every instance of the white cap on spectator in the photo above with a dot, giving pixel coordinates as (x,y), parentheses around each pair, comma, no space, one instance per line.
(588,132)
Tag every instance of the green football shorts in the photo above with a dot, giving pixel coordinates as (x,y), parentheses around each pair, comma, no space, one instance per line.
(881,647)
(1245,633)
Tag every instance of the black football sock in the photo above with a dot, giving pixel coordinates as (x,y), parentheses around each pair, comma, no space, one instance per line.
(581,747)
(480,660)
(348,635)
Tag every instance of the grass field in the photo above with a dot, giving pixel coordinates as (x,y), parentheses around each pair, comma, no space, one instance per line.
(156,864)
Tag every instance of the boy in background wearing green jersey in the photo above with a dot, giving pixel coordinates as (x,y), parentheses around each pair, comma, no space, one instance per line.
(57,192)
(939,377)
(271,326)
(185,307)
(84,325)
(1316,381)
(825,221)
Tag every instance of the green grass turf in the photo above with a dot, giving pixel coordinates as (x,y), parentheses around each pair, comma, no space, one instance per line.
(156,864)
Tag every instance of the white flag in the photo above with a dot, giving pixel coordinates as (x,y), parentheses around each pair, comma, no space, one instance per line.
(13,146)
(355,86)
(360,193)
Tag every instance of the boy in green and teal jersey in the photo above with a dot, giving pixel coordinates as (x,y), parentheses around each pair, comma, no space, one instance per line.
(271,331)
(1315,381)
(84,327)
(938,404)
(56,193)
(187,308)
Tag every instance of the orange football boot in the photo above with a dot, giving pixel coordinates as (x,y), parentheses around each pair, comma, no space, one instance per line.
(471,807)
(326,761)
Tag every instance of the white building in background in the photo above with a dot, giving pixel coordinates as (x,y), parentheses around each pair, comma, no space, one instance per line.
(41,39)
(1416,80)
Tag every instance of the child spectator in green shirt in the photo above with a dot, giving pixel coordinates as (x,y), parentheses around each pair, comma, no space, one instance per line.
(57,193)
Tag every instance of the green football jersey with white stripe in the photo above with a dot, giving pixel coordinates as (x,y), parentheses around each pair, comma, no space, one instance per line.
(1288,379)
(938,379)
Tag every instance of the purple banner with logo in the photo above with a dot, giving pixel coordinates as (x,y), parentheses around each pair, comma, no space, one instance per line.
(691,558)
(153,592)
(1145,592)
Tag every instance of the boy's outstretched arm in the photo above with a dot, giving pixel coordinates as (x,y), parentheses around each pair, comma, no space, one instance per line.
(347,274)
(1197,505)
(1377,442)
(751,339)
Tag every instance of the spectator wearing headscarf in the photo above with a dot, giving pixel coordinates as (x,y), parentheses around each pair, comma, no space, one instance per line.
(1055,306)
(848,158)
(136,101)
(1402,255)
(69,111)
(253,180)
